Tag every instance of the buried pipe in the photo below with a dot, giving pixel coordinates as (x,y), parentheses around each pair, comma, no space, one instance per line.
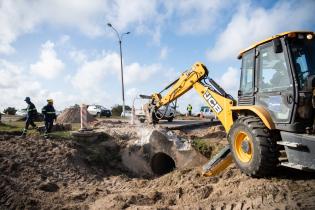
(162,163)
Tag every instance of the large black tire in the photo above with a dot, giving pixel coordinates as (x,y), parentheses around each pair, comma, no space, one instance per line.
(259,142)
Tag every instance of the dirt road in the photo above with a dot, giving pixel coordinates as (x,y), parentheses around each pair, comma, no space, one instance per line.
(69,174)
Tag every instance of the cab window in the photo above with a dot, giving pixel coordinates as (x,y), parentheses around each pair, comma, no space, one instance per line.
(274,74)
(247,84)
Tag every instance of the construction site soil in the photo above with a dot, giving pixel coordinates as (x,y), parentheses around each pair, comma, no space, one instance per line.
(72,115)
(71,174)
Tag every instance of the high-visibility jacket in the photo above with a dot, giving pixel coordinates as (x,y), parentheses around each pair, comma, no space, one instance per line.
(31,110)
(189,108)
(49,112)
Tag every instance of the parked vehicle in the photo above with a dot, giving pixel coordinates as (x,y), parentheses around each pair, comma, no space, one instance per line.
(99,111)
(22,114)
(206,112)
(165,113)
(127,114)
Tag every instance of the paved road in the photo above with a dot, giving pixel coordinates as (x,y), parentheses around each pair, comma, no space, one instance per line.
(183,124)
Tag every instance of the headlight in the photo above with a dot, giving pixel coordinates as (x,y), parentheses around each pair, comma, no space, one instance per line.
(309,36)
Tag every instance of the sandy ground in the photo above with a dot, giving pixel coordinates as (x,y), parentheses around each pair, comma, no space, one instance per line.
(69,174)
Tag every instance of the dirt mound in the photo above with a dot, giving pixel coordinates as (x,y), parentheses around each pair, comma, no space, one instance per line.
(72,115)
(35,173)
(187,189)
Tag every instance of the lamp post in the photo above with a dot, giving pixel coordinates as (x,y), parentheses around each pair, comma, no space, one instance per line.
(120,37)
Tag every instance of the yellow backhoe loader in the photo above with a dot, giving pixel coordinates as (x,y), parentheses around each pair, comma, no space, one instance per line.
(275,110)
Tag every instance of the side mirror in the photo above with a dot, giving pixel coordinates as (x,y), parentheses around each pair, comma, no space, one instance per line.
(239,93)
(277,46)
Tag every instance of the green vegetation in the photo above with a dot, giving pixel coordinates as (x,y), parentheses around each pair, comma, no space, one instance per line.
(117,110)
(206,147)
(17,126)
(61,134)
(10,111)
(12,126)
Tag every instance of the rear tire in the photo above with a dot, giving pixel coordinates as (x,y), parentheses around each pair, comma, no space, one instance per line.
(254,149)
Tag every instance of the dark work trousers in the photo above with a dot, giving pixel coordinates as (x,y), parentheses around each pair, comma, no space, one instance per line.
(29,121)
(189,113)
(48,125)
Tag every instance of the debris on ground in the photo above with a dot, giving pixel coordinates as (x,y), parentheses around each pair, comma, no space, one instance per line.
(69,174)
(57,127)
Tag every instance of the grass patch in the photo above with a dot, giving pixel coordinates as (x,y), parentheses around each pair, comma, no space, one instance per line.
(12,126)
(18,126)
(206,147)
(61,134)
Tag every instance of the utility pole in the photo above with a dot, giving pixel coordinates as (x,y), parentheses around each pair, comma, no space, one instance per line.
(120,36)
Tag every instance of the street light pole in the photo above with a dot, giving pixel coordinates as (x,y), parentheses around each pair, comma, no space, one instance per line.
(121,65)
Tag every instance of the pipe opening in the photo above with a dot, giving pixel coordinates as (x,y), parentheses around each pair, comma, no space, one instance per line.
(162,163)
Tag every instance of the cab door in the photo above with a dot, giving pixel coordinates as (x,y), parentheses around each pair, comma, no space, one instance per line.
(274,82)
(246,91)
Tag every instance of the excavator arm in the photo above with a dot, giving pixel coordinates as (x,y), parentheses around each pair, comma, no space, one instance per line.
(180,86)
(217,99)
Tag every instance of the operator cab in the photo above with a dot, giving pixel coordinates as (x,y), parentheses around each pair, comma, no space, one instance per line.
(279,74)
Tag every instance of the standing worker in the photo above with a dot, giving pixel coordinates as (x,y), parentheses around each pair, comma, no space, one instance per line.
(189,109)
(31,113)
(49,116)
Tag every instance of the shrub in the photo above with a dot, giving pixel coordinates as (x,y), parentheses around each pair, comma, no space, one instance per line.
(10,111)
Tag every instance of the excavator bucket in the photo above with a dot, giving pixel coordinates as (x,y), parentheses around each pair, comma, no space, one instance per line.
(147,108)
(218,163)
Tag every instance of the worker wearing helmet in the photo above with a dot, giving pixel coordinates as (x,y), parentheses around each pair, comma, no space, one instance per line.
(49,116)
(31,113)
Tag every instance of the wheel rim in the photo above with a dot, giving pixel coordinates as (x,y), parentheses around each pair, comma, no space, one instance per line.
(243,146)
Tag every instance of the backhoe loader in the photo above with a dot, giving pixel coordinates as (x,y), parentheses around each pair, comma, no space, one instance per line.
(272,122)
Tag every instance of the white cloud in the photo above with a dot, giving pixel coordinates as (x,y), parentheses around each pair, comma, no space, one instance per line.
(230,80)
(89,17)
(132,92)
(125,12)
(91,78)
(135,72)
(21,17)
(164,52)
(199,16)
(16,84)
(78,56)
(48,66)
(246,27)
(63,39)
(94,72)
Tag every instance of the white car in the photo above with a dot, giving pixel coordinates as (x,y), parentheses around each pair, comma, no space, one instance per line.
(127,114)
(166,113)
(21,113)
(206,112)
(163,113)
(98,110)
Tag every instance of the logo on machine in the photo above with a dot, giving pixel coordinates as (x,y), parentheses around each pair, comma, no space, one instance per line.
(212,102)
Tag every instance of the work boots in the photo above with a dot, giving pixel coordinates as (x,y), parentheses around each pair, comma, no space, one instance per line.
(23,135)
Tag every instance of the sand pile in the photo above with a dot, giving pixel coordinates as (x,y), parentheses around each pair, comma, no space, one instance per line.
(50,174)
(72,115)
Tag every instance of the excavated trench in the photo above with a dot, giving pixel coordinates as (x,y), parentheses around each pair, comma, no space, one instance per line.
(158,152)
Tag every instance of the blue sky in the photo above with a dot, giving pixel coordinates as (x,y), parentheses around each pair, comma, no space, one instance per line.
(64,50)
